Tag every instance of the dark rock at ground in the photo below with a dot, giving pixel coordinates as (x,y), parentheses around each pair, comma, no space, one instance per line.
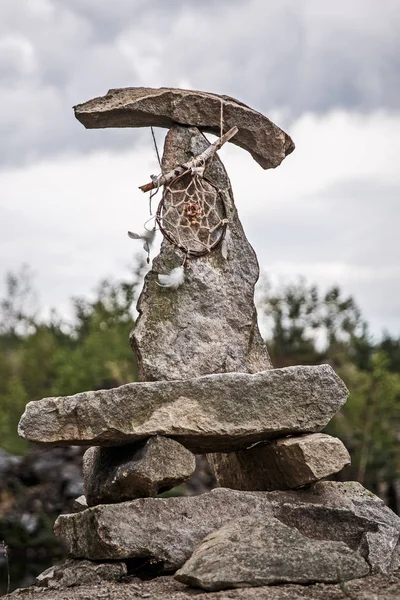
(166,530)
(256,551)
(81,572)
(225,411)
(138,471)
(34,490)
(284,464)
(164,107)
(8,465)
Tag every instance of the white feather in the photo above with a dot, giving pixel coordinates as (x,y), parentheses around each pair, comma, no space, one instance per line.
(174,279)
(224,245)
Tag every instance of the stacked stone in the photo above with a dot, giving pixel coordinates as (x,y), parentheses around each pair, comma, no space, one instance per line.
(325,531)
(149,432)
(272,520)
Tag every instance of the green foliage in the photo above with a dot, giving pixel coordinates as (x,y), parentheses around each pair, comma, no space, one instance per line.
(308,327)
(369,423)
(39,359)
(312,328)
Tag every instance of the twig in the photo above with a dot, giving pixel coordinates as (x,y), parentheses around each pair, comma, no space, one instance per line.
(190,164)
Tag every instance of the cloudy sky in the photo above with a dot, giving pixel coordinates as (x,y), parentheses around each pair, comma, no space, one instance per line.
(326,72)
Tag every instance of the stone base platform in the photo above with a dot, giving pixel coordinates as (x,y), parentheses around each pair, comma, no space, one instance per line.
(214,413)
(166,530)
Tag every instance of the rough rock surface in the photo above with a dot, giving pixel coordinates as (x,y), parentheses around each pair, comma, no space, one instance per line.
(211,413)
(163,107)
(209,324)
(166,530)
(255,551)
(284,464)
(372,587)
(81,572)
(128,472)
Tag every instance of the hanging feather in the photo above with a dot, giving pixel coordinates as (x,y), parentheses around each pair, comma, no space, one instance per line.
(174,279)
(148,238)
(224,245)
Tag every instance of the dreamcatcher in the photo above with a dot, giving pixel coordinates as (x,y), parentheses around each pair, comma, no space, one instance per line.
(192,213)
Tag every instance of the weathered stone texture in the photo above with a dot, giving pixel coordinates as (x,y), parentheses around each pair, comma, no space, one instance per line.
(139,471)
(256,551)
(166,530)
(207,414)
(164,107)
(80,572)
(284,464)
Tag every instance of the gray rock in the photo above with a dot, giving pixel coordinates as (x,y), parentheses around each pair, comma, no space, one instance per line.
(255,551)
(166,530)
(284,464)
(128,472)
(211,413)
(163,107)
(209,324)
(73,573)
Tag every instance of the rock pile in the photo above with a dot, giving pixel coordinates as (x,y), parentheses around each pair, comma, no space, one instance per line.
(207,386)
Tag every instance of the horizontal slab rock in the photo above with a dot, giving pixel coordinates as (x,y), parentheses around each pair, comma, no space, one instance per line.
(255,551)
(221,412)
(164,107)
(284,464)
(166,530)
(139,471)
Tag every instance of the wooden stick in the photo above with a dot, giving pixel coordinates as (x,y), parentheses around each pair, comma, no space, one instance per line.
(190,164)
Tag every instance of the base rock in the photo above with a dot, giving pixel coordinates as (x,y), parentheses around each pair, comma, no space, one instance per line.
(221,412)
(128,472)
(284,464)
(166,530)
(256,551)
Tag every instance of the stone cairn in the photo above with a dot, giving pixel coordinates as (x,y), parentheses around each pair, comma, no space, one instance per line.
(207,386)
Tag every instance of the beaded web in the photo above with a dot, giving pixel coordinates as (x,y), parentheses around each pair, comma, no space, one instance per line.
(192,213)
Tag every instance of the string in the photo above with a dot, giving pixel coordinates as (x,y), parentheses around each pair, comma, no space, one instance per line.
(155,147)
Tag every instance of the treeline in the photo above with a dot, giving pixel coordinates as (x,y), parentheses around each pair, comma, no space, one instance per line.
(307,327)
(40,358)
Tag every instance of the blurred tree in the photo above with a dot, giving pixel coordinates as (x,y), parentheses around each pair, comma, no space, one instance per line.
(312,328)
(17,308)
(391,347)
(308,328)
(369,423)
(39,359)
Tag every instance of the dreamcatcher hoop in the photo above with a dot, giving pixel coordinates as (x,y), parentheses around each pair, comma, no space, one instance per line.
(192,214)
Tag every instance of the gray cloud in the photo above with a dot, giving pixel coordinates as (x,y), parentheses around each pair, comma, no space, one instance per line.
(357,224)
(288,56)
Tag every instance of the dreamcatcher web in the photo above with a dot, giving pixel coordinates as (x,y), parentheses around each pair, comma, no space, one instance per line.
(192,214)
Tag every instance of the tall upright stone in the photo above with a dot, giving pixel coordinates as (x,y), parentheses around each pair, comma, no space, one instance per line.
(209,324)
